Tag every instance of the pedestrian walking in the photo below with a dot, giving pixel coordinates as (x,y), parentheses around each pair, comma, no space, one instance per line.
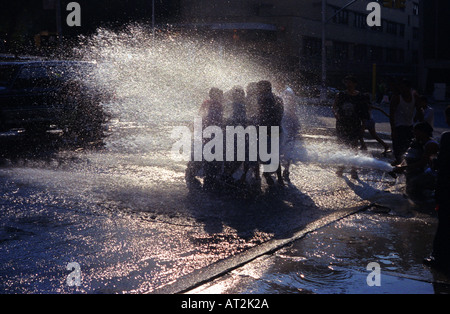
(403,108)
(369,125)
(350,109)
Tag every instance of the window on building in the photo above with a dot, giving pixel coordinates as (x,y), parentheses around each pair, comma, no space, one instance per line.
(401,30)
(415,8)
(391,55)
(265,9)
(312,47)
(415,56)
(341,17)
(391,28)
(401,56)
(360,21)
(416,33)
(360,52)
(340,50)
(379,28)
(376,54)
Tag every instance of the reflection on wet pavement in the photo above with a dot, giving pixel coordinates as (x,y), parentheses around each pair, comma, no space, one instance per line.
(334,260)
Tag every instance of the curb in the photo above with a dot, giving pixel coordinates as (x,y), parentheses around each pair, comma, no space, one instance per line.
(218,269)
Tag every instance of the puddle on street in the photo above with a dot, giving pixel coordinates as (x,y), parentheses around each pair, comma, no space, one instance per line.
(334,260)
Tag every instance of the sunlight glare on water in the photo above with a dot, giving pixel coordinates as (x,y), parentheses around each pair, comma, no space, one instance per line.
(164,79)
(161,82)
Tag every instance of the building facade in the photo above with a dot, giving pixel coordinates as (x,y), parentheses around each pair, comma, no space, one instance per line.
(292,31)
(435,47)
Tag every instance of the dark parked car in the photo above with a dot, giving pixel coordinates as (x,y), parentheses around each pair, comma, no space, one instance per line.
(40,95)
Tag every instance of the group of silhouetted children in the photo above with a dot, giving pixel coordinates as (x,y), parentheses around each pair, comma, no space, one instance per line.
(256,106)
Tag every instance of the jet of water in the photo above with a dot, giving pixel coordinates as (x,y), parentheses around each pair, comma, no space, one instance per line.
(164,79)
(161,82)
(336,155)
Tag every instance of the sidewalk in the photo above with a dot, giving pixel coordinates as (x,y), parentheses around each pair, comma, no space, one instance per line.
(327,121)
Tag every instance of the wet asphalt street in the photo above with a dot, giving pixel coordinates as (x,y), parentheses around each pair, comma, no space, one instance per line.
(127,219)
